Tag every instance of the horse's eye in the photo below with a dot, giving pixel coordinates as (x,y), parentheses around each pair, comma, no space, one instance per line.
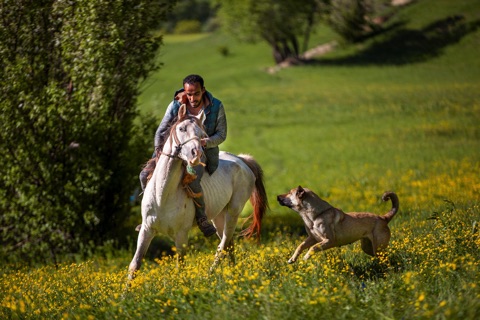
(183,129)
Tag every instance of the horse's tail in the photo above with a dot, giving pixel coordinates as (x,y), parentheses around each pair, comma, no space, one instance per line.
(395,205)
(258,198)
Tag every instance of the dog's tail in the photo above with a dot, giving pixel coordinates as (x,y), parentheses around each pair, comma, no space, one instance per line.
(395,205)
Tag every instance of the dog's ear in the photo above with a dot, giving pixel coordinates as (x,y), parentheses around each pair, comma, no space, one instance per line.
(300,192)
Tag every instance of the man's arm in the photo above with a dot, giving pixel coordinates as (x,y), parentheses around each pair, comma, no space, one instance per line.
(221,130)
(161,133)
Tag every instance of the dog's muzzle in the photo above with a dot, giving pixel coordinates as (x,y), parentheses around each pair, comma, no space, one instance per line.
(284,201)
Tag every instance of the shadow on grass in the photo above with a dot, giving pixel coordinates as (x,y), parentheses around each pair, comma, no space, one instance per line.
(375,269)
(403,46)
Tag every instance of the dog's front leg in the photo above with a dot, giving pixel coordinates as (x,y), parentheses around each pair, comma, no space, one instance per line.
(304,245)
(323,245)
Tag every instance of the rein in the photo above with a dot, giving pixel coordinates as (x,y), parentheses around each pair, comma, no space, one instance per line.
(179,145)
(178,148)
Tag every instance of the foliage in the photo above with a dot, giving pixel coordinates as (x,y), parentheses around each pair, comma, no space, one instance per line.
(188,26)
(190,10)
(283,24)
(279,23)
(69,83)
(349,18)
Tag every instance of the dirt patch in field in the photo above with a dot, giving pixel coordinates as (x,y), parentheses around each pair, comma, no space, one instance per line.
(304,57)
(400,2)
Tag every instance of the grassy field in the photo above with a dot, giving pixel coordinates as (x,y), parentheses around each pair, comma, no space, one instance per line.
(400,112)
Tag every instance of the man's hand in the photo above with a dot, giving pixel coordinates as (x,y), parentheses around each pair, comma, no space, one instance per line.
(182,98)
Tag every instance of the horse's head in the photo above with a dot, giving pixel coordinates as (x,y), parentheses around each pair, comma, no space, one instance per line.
(186,135)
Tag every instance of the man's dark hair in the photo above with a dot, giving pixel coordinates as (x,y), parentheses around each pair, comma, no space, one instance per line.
(192,79)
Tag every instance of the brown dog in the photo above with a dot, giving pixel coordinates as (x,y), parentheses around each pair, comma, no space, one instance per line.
(329,227)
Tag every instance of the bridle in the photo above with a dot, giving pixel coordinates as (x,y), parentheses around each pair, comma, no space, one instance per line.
(178,147)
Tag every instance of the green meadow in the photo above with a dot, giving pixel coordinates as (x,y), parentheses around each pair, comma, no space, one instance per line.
(398,112)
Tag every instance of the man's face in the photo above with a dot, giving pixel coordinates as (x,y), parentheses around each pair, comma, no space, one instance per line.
(194,94)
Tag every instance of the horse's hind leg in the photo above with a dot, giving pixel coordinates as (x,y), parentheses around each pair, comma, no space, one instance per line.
(144,239)
(226,245)
(220,255)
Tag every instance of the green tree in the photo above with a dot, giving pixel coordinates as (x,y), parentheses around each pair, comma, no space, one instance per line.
(69,146)
(284,23)
(280,23)
(351,19)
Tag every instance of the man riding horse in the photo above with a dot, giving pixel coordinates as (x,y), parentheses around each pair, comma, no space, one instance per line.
(201,104)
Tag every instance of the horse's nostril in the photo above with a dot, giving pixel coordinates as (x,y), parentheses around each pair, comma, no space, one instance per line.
(194,152)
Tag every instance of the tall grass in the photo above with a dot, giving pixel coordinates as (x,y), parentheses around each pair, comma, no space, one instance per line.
(430,271)
(354,124)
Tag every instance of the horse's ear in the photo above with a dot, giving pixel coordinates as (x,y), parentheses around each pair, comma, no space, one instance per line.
(182,111)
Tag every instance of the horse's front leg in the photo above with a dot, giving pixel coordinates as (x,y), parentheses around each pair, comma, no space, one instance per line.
(144,239)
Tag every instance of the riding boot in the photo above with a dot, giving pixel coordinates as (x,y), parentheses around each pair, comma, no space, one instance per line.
(202,221)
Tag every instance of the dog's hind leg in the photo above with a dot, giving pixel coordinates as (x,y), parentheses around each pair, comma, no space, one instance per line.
(377,241)
(310,241)
(368,247)
(382,239)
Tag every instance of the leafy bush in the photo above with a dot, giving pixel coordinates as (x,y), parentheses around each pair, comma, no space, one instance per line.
(68,94)
(188,26)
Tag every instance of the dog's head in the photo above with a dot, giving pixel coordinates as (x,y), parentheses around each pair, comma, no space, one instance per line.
(302,199)
(292,199)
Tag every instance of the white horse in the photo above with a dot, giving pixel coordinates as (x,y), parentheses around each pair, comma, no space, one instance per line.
(167,209)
